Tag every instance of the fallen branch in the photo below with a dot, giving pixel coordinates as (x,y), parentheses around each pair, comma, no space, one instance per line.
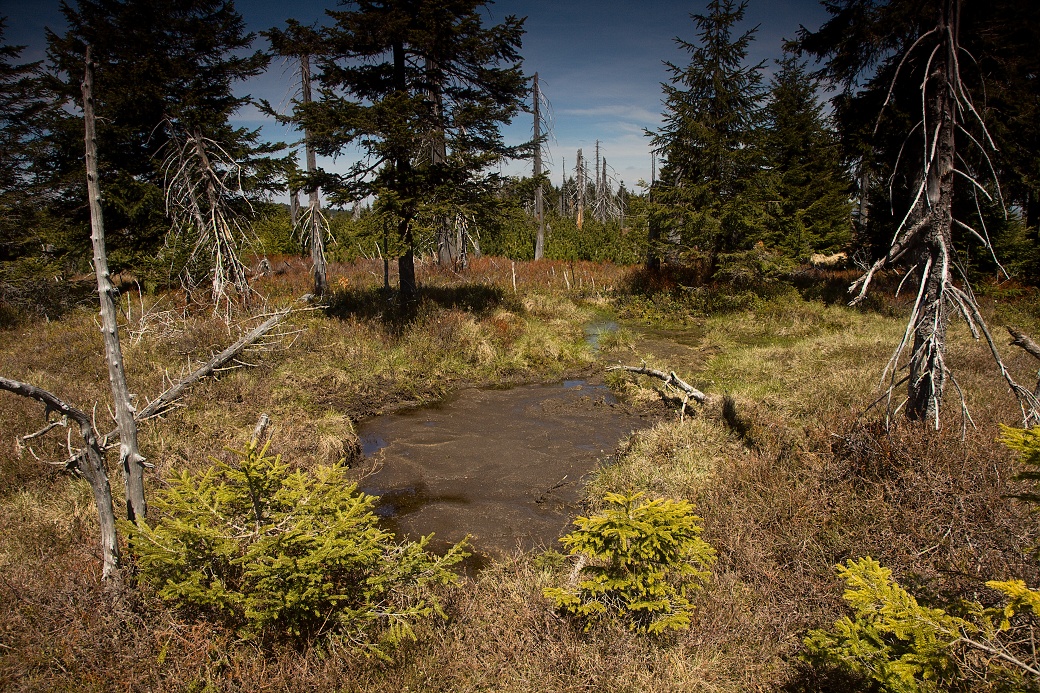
(90,463)
(668,378)
(163,402)
(1021,339)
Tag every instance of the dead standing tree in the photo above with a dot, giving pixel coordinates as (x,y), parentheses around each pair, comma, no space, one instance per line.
(924,236)
(131,460)
(302,43)
(581,182)
(89,461)
(314,227)
(539,211)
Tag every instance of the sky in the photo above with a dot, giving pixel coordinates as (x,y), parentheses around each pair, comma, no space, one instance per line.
(600,65)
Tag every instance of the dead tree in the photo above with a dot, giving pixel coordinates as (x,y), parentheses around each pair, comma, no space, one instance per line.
(581,176)
(131,460)
(539,244)
(201,181)
(924,236)
(89,463)
(300,43)
(314,226)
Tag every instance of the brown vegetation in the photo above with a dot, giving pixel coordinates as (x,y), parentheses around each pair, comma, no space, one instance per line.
(788,472)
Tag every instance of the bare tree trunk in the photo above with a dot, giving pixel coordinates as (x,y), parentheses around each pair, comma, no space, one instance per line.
(450,249)
(131,459)
(539,244)
(317,232)
(294,207)
(403,170)
(581,182)
(406,263)
(90,463)
(928,370)
(563,187)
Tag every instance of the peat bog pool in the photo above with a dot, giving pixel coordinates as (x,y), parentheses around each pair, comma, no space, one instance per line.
(505,467)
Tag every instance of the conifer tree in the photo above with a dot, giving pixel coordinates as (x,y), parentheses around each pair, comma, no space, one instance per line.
(809,190)
(396,75)
(165,73)
(22,101)
(711,123)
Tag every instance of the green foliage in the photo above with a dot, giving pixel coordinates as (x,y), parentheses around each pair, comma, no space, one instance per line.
(1026,442)
(906,647)
(808,187)
(708,186)
(164,70)
(643,561)
(276,553)
(891,638)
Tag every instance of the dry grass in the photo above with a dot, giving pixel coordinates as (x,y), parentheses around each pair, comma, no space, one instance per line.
(787,473)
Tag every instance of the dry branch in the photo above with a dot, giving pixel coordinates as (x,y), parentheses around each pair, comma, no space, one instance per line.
(90,463)
(668,378)
(1021,339)
(163,402)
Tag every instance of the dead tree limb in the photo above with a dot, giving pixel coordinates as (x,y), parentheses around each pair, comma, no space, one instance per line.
(129,455)
(668,378)
(163,402)
(1021,339)
(90,463)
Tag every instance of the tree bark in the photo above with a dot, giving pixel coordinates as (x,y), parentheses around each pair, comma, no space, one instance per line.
(403,170)
(317,234)
(130,458)
(91,464)
(539,243)
(928,371)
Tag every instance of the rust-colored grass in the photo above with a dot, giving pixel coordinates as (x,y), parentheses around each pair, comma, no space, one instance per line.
(788,472)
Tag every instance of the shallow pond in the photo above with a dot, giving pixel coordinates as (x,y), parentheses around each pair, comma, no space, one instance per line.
(505,467)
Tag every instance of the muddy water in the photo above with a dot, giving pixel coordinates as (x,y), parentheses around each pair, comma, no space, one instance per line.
(505,467)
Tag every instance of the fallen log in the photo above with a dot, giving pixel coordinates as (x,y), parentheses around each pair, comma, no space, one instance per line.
(669,379)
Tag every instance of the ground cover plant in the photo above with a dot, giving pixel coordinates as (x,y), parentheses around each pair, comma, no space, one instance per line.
(788,472)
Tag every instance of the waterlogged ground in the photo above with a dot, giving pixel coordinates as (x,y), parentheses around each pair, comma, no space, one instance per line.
(505,467)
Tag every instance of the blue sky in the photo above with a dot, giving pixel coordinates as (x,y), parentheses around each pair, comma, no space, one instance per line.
(599,63)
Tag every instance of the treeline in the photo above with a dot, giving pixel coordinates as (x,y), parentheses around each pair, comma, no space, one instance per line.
(744,165)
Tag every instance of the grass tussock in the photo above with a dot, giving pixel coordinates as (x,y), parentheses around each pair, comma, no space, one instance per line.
(788,469)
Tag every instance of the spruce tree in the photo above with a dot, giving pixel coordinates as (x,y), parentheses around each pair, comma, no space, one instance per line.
(401,76)
(165,73)
(809,190)
(707,144)
(22,100)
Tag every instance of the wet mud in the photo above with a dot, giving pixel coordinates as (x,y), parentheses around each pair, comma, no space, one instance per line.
(505,467)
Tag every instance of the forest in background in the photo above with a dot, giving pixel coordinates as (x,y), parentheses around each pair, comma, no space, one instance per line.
(740,162)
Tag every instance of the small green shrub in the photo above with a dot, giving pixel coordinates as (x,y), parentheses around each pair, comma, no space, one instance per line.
(890,638)
(643,559)
(277,553)
(905,647)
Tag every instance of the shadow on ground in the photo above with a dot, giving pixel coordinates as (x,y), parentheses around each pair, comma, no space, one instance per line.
(387,306)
